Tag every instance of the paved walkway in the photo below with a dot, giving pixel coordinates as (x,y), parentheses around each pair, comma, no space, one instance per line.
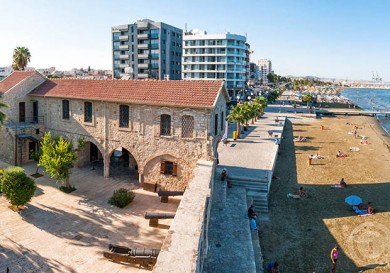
(250,157)
(60,232)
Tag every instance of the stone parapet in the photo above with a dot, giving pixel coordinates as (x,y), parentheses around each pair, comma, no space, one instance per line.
(184,246)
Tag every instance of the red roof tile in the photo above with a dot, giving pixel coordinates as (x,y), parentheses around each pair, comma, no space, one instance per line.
(13,79)
(200,93)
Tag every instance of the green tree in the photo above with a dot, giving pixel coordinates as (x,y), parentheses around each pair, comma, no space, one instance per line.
(21,58)
(3,116)
(237,115)
(262,101)
(270,78)
(58,157)
(17,187)
(307,98)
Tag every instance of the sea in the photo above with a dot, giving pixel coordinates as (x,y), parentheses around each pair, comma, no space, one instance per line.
(371,100)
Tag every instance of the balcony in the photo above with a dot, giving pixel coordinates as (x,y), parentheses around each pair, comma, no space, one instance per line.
(123,38)
(143,75)
(142,36)
(124,57)
(143,46)
(142,25)
(124,47)
(143,56)
(123,65)
(143,66)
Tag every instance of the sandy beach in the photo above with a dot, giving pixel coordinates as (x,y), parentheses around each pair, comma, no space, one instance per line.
(301,233)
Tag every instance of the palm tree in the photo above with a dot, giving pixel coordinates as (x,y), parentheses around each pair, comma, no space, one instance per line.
(21,58)
(2,115)
(263,103)
(237,115)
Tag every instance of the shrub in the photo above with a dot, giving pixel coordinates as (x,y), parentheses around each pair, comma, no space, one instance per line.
(121,198)
(18,188)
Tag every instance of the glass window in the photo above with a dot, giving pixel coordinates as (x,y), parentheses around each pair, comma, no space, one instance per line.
(87,111)
(65,109)
(123,116)
(165,125)
(187,126)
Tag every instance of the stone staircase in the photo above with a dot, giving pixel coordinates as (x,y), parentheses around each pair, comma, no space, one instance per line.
(230,239)
(256,189)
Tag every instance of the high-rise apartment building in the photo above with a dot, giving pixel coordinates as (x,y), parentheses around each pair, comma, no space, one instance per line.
(146,49)
(265,67)
(215,56)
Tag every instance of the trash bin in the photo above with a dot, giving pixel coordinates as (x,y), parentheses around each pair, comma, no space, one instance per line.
(235,135)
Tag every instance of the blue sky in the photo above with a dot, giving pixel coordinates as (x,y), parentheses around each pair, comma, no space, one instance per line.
(326,38)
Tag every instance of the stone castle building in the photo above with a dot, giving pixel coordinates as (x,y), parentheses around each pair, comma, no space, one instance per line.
(157,129)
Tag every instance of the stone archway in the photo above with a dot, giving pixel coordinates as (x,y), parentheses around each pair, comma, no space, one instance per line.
(122,164)
(91,155)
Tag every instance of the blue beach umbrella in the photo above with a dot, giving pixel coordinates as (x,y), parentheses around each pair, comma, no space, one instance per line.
(353,200)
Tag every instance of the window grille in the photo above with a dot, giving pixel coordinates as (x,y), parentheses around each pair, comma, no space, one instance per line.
(216,124)
(165,125)
(187,127)
(65,109)
(124,116)
(87,111)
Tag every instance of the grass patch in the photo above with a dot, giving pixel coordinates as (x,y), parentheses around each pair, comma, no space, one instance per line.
(67,189)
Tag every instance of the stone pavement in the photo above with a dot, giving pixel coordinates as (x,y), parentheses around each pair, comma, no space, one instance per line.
(60,232)
(251,157)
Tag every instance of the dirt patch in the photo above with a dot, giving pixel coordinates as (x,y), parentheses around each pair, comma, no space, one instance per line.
(301,233)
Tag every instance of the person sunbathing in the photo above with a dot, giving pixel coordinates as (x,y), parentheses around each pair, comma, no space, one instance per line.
(300,139)
(342,184)
(301,193)
(340,154)
(364,141)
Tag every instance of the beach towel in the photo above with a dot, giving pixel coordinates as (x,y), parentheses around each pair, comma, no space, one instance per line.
(354,149)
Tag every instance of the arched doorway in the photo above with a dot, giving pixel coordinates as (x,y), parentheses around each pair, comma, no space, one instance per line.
(123,164)
(90,156)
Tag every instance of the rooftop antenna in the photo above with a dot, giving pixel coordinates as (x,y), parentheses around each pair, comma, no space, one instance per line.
(185,28)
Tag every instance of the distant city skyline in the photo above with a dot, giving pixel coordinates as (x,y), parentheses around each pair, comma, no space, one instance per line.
(346,39)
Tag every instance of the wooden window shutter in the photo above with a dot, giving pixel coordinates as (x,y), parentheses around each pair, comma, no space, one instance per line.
(162,167)
(174,171)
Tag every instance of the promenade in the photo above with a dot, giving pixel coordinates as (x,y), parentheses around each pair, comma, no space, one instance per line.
(233,247)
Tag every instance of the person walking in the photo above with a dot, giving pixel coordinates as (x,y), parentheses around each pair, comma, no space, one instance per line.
(251,212)
(334,254)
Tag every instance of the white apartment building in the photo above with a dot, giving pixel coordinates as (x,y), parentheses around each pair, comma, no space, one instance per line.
(215,56)
(265,67)
(5,71)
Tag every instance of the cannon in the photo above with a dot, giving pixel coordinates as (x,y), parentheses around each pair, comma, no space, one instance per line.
(155,216)
(165,194)
(143,257)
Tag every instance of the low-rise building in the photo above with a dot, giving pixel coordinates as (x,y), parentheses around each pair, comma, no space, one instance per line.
(161,128)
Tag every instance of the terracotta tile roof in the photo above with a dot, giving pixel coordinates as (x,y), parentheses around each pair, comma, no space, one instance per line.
(200,93)
(13,79)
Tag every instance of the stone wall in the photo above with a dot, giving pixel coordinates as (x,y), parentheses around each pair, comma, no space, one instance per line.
(183,248)
(19,93)
(7,146)
(142,138)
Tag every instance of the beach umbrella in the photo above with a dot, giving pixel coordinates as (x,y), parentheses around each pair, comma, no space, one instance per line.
(353,200)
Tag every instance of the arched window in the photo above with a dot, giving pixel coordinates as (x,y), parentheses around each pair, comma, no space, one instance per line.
(124,116)
(87,111)
(187,127)
(65,109)
(165,125)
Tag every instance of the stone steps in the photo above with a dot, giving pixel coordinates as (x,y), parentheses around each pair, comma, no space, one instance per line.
(230,238)
(259,201)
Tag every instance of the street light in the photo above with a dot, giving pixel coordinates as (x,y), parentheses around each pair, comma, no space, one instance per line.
(238,97)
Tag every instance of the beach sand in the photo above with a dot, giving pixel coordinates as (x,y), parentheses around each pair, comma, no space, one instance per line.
(301,233)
